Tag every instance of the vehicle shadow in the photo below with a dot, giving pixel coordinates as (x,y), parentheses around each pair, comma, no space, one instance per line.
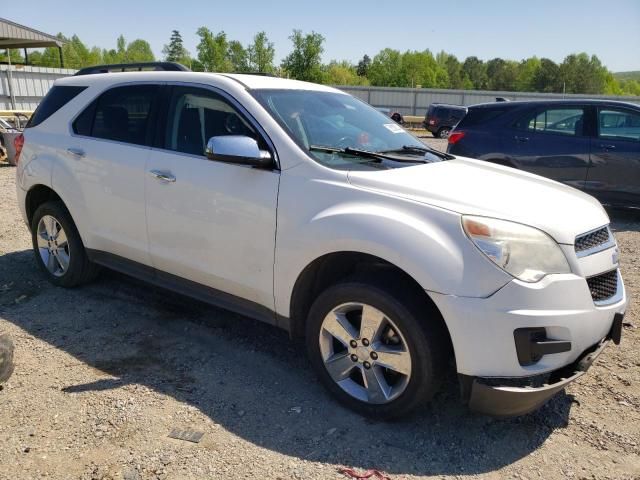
(251,379)
(624,220)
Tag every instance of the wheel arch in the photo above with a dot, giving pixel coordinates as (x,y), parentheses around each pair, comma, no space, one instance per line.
(332,267)
(36,196)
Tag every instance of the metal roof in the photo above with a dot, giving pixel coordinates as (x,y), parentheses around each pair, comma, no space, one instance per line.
(13,35)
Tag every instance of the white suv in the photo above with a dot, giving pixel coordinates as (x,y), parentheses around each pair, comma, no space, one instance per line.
(302,206)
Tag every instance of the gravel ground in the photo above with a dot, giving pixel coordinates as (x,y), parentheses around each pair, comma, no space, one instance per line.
(105,372)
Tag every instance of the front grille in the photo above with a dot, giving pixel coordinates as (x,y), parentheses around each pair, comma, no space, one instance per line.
(603,286)
(592,239)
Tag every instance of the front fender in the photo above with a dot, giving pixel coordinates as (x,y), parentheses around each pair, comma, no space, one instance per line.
(426,242)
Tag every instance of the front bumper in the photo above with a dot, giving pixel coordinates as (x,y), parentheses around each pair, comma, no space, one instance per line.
(482,329)
(484,396)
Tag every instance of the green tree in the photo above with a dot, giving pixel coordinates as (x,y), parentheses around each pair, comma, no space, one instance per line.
(342,73)
(628,87)
(476,71)
(261,53)
(421,68)
(139,51)
(305,61)
(239,57)
(363,66)
(583,74)
(501,74)
(174,51)
(453,67)
(121,46)
(15,54)
(385,69)
(547,77)
(527,70)
(213,51)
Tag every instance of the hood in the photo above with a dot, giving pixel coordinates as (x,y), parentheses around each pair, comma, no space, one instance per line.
(475,187)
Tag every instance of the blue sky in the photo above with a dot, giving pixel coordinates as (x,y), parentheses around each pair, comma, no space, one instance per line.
(487,29)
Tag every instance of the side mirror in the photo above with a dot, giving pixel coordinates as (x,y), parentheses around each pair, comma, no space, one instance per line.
(238,149)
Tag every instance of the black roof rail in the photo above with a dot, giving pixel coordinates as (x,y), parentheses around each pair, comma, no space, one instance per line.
(134,67)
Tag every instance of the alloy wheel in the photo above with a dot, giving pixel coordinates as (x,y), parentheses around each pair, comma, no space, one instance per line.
(53,246)
(365,353)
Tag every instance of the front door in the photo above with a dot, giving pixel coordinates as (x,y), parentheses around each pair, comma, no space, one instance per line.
(210,222)
(614,174)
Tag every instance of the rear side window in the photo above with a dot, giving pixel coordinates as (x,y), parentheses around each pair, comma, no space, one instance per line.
(57,98)
(563,121)
(120,114)
(478,116)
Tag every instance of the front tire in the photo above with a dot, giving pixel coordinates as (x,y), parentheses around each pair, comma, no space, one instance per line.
(377,349)
(57,247)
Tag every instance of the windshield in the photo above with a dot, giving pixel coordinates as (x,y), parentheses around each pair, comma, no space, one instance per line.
(330,126)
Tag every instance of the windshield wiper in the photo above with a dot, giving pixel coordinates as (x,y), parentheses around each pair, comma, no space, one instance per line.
(419,150)
(356,152)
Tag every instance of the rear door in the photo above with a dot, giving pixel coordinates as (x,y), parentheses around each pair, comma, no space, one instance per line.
(614,173)
(552,141)
(109,150)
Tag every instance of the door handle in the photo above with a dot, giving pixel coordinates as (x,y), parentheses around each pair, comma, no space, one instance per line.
(607,147)
(78,152)
(522,139)
(164,176)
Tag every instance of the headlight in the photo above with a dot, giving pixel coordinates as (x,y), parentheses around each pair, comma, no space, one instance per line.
(525,252)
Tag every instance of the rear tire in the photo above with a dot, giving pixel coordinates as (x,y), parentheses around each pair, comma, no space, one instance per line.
(444,132)
(58,248)
(381,372)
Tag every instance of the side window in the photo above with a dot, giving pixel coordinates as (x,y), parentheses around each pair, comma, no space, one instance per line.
(120,114)
(527,121)
(57,98)
(195,115)
(563,121)
(618,124)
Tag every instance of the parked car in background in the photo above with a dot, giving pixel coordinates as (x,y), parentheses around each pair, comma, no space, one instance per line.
(593,145)
(8,134)
(304,207)
(395,116)
(441,118)
(16,118)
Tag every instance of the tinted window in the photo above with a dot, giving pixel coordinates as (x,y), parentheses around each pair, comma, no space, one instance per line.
(195,115)
(564,121)
(84,122)
(57,97)
(478,116)
(120,114)
(619,124)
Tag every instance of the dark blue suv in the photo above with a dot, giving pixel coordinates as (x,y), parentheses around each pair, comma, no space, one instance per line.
(593,145)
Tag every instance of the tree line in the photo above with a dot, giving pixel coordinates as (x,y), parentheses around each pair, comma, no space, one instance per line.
(216,52)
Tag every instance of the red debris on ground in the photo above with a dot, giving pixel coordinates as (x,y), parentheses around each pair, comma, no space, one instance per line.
(350,472)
